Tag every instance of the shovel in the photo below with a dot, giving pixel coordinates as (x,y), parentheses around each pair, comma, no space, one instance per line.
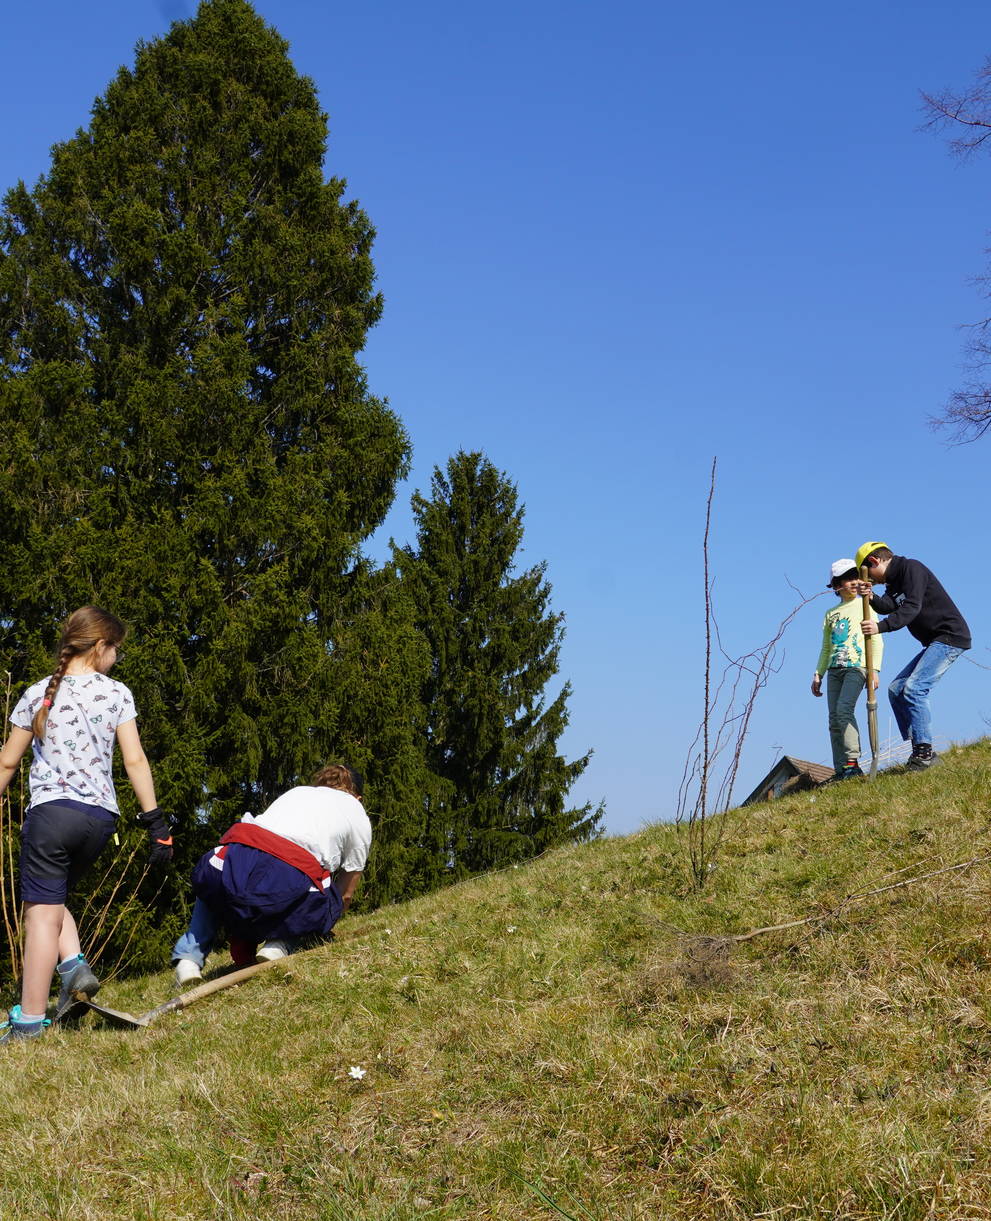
(871,692)
(81,1002)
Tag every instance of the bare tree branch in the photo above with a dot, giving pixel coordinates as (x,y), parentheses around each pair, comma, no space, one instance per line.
(971,111)
(967,117)
(729,707)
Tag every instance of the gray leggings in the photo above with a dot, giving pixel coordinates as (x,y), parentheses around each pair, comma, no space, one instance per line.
(843,688)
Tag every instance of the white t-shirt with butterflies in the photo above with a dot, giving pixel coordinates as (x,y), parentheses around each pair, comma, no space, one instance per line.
(74,760)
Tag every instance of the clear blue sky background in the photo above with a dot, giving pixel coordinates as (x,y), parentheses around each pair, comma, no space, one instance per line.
(614,242)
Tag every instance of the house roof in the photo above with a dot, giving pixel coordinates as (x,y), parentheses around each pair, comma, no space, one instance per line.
(816,772)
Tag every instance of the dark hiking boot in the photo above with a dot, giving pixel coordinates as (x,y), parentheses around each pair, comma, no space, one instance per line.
(921,758)
(845,773)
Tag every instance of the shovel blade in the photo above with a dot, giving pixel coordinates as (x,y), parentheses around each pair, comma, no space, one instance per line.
(872,733)
(118,1016)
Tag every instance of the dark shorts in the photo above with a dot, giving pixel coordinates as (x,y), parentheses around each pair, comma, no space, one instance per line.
(59,841)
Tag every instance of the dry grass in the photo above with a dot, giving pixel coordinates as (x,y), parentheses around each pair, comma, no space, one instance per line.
(580,1037)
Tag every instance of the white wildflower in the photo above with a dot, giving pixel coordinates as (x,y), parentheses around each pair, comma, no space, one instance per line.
(356,1073)
(510,928)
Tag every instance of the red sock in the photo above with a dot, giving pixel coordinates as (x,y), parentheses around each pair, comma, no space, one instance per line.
(242,952)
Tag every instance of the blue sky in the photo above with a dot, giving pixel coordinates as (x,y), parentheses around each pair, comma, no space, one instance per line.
(615,242)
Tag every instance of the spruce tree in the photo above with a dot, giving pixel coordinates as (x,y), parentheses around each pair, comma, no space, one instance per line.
(494,643)
(381,663)
(190,440)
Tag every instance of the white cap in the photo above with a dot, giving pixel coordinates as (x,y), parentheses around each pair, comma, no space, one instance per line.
(839,568)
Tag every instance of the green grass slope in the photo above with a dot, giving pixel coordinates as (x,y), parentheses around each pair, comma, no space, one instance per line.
(572,1038)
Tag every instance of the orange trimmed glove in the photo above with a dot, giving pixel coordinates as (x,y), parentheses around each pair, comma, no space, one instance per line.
(159,827)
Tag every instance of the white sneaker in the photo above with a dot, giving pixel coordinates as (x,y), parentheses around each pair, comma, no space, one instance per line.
(270,950)
(186,971)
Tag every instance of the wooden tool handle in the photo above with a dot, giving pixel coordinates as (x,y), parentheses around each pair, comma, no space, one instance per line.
(211,986)
(868,640)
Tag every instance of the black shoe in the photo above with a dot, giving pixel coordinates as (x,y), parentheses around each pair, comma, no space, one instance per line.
(921,758)
(845,773)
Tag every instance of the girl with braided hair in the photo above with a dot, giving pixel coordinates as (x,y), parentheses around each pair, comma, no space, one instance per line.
(72,719)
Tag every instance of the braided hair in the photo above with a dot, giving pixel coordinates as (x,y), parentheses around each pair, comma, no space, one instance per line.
(82,631)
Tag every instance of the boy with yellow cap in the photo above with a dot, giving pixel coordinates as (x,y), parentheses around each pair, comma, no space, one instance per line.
(913,598)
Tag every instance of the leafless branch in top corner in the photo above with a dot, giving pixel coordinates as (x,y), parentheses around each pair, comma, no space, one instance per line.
(966,119)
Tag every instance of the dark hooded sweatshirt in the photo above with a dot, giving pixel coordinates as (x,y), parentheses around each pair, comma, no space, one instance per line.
(913,598)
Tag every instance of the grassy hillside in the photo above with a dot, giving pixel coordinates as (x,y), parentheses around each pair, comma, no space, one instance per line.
(571,1038)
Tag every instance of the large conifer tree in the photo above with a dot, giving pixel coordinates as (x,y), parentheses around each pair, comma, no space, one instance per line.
(189,438)
(494,643)
(381,661)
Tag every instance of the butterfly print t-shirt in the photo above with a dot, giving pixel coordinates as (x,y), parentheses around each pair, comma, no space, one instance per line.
(74,760)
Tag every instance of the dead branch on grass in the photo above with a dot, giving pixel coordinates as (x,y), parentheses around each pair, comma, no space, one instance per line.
(705,946)
(858,896)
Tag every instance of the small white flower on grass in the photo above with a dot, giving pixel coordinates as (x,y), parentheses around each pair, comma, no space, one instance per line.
(356,1073)
(510,928)
(388,932)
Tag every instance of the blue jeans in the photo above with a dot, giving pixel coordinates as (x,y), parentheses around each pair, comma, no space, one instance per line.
(197,941)
(909,692)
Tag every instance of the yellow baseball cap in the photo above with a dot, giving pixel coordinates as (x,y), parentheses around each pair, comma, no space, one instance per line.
(865,550)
